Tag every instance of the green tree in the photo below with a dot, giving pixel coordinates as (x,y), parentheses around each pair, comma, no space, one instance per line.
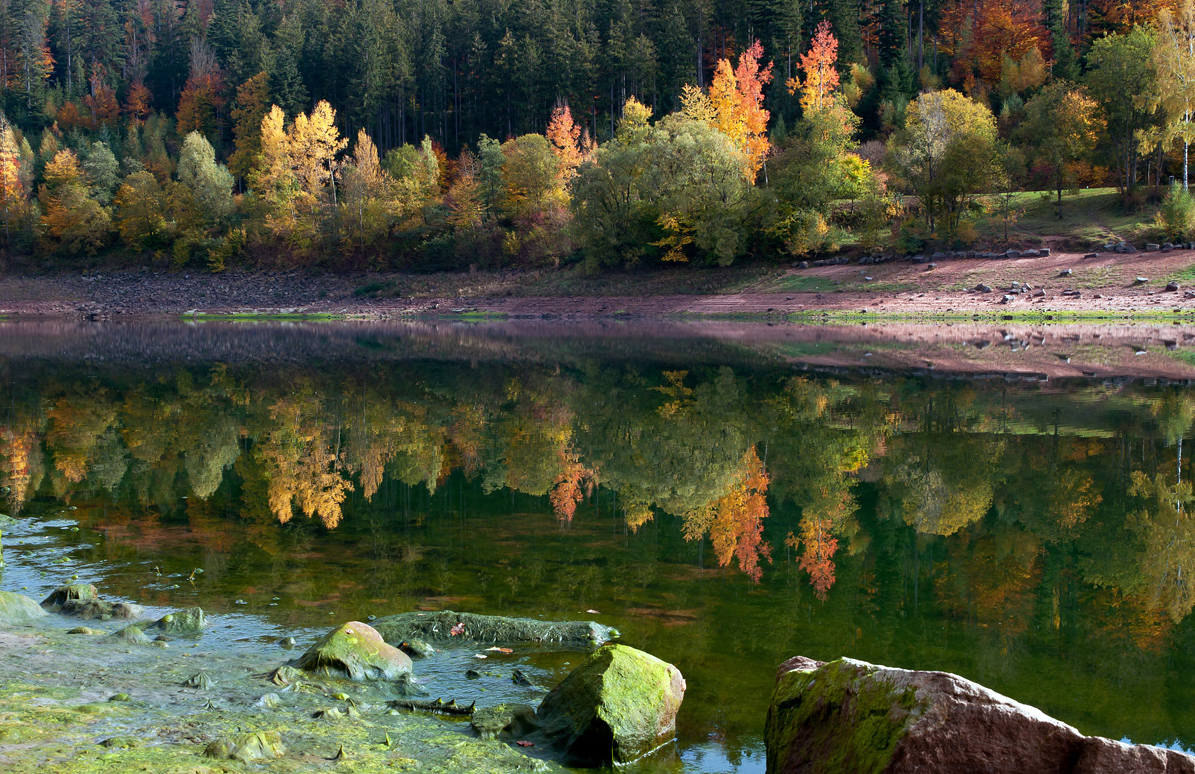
(141,211)
(209,182)
(947,154)
(1112,62)
(1061,127)
(102,172)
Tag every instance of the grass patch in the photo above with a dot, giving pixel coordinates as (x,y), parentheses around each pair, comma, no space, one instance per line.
(1090,217)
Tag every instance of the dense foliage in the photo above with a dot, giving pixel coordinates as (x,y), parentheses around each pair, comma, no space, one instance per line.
(401,134)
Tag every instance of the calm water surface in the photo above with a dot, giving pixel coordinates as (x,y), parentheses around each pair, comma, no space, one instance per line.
(722,507)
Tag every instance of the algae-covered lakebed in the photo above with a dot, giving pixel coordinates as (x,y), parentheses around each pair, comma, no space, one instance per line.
(725,498)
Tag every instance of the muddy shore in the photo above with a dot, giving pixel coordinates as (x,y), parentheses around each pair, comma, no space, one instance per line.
(1106,283)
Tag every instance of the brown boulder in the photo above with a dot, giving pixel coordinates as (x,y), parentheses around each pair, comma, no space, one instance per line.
(849,715)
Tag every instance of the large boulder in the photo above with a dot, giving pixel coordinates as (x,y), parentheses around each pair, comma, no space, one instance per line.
(449,626)
(18,610)
(849,715)
(356,651)
(618,705)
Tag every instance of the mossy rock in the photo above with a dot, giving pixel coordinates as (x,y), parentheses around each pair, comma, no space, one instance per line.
(99,610)
(438,627)
(189,621)
(86,630)
(356,651)
(130,635)
(618,705)
(246,748)
(849,715)
(417,649)
(283,675)
(18,610)
(79,592)
(504,721)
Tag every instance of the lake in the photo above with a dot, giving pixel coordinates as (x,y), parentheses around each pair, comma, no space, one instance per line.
(1010,504)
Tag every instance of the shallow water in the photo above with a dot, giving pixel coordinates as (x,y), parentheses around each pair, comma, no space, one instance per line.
(726,499)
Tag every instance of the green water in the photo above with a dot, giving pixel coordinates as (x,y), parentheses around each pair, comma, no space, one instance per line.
(722,509)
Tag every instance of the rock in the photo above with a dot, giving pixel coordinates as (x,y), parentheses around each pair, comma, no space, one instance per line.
(131,635)
(356,651)
(121,743)
(618,705)
(931,265)
(99,610)
(416,648)
(1171,286)
(86,630)
(504,721)
(120,697)
(1044,252)
(472,674)
(803,265)
(518,677)
(1064,273)
(982,288)
(1152,248)
(18,610)
(270,701)
(246,748)
(200,680)
(283,675)
(1140,280)
(1039,293)
(437,627)
(73,592)
(1129,249)
(189,621)
(1006,299)
(849,715)
(1029,254)
(287,643)
(406,687)
(1092,255)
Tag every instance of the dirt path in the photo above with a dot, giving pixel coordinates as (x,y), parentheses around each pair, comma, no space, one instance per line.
(1104,284)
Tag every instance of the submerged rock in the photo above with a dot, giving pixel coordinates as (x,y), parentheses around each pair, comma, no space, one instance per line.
(131,635)
(18,610)
(189,621)
(264,745)
(416,648)
(356,651)
(849,715)
(200,680)
(283,675)
(74,592)
(98,609)
(439,627)
(618,705)
(86,630)
(504,721)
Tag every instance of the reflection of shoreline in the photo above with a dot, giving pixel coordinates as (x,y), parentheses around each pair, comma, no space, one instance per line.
(972,349)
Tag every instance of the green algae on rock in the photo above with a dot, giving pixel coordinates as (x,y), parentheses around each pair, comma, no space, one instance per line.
(18,610)
(246,748)
(189,621)
(131,635)
(356,651)
(70,592)
(504,721)
(849,715)
(618,705)
(472,627)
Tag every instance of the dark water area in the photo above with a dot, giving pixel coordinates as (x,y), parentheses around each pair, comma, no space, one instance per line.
(723,506)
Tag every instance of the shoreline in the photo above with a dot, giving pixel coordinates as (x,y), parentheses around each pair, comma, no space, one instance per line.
(1060,286)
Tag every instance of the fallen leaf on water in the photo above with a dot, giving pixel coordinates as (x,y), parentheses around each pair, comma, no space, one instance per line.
(480,655)
(500,650)
(593,612)
(458,629)
(522,743)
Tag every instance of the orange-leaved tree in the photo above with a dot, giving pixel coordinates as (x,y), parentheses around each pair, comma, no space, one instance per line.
(565,136)
(821,75)
(736,96)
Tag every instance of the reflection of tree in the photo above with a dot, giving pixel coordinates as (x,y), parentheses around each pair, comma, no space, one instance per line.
(77,423)
(1165,527)
(734,521)
(304,464)
(822,518)
(21,452)
(947,484)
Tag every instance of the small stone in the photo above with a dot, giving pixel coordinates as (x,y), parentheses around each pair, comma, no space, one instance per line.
(287,642)
(121,743)
(416,648)
(200,680)
(1171,286)
(1064,273)
(1152,248)
(270,701)
(247,747)
(120,697)
(931,265)
(1140,280)
(329,713)
(472,674)
(86,630)
(982,288)
(519,678)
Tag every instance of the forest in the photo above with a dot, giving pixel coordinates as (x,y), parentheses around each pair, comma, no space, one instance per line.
(425,135)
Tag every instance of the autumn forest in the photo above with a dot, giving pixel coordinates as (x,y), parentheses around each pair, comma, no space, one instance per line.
(423,135)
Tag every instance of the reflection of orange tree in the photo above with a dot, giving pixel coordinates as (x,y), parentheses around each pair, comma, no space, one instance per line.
(574,483)
(17,447)
(735,520)
(817,544)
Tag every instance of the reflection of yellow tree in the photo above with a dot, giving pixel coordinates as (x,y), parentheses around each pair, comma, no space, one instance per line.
(1168,531)
(735,520)
(943,489)
(303,462)
(76,426)
(17,471)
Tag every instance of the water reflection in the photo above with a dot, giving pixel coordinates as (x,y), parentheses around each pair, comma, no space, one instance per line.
(1033,536)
